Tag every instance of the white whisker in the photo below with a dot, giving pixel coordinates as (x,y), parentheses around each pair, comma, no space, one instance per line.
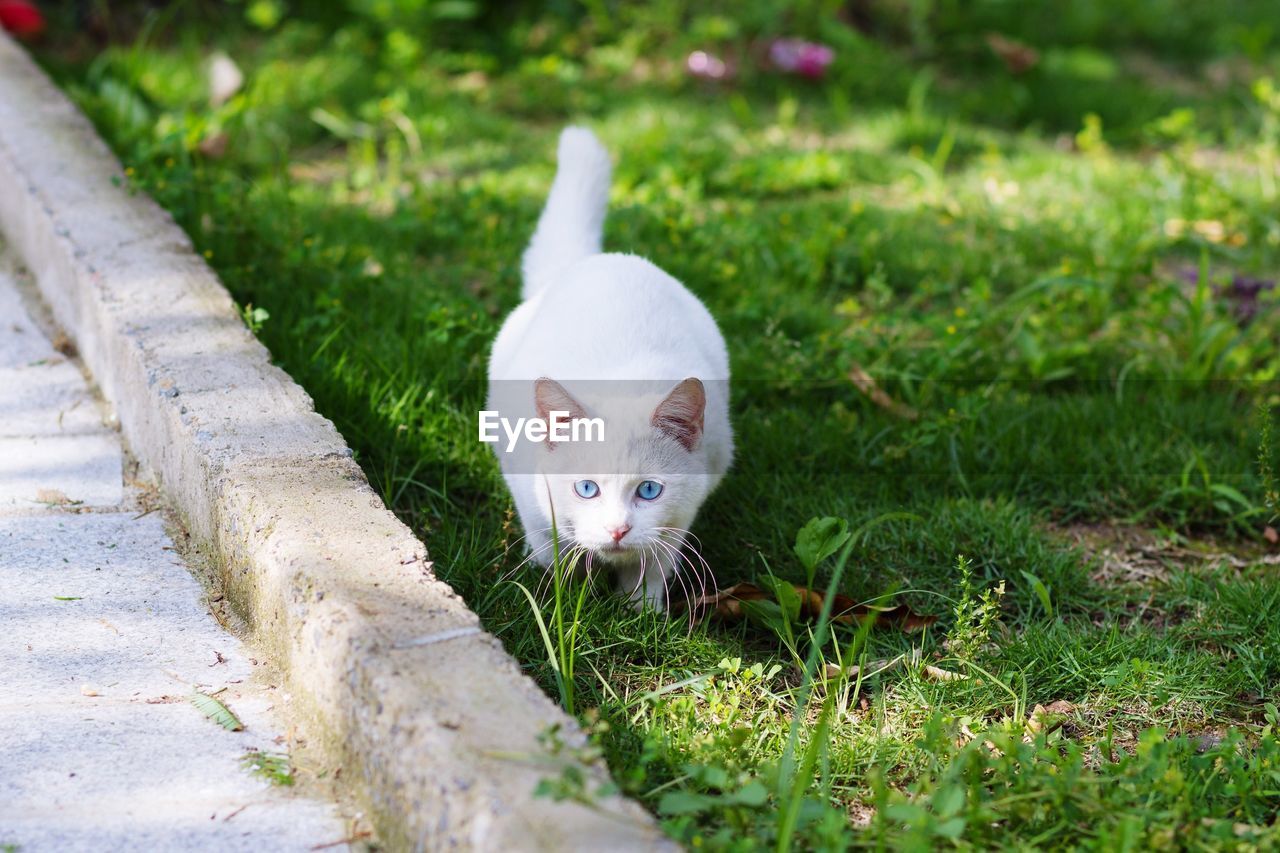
(639,577)
(701,573)
(532,555)
(678,558)
(514,542)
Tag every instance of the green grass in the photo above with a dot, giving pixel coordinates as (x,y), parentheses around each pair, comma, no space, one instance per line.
(272,766)
(1014,256)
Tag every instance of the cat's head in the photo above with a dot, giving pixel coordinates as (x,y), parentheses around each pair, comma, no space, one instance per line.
(639,487)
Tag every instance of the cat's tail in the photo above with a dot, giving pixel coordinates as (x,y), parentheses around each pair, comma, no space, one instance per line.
(572,222)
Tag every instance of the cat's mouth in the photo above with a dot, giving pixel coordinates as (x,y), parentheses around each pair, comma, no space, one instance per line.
(614,550)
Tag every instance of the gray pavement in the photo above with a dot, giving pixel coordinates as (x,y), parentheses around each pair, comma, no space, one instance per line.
(104,636)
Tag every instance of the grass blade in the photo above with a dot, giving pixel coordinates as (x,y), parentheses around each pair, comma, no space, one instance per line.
(542,627)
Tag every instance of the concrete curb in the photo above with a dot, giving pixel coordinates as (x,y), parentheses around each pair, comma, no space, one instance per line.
(433,721)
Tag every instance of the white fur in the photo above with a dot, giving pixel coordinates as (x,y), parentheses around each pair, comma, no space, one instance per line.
(587,317)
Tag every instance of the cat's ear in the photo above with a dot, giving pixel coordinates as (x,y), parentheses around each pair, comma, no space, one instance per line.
(549,396)
(680,415)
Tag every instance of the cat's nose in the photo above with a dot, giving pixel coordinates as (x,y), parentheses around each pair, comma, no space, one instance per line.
(618,532)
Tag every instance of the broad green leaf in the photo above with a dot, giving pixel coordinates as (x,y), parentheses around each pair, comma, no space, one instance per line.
(908,813)
(1041,591)
(713,777)
(752,794)
(953,828)
(684,802)
(784,592)
(766,613)
(948,801)
(819,539)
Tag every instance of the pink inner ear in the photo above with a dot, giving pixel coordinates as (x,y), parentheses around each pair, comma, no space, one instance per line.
(681,414)
(550,396)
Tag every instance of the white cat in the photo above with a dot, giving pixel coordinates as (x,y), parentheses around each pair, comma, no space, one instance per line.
(610,336)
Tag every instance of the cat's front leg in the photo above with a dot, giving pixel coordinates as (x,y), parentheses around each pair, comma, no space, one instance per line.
(645,582)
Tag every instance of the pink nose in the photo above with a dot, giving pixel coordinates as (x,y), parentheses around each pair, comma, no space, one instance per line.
(618,532)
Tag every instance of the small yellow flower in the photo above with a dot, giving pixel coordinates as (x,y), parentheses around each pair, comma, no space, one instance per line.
(951,330)
(128,171)
(208,253)
(307,241)
(961,311)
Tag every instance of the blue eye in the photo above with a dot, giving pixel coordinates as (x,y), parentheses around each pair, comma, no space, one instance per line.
(586,489)
(649,490)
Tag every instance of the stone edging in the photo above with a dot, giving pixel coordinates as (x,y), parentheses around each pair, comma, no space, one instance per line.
(434,722)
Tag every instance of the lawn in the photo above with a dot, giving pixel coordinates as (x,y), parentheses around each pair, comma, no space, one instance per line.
(1003,308)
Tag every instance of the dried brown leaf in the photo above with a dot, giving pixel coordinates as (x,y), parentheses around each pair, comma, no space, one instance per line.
(1036,720)
(866,383)
(64,344)
(937,673)
(1046,719)
(214,146)
(875,667)
(1016,56)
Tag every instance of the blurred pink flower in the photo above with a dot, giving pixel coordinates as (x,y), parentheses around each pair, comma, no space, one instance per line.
(21,18)
(797,56)
(705,65)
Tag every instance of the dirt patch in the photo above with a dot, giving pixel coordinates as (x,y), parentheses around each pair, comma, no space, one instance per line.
(1125,554)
